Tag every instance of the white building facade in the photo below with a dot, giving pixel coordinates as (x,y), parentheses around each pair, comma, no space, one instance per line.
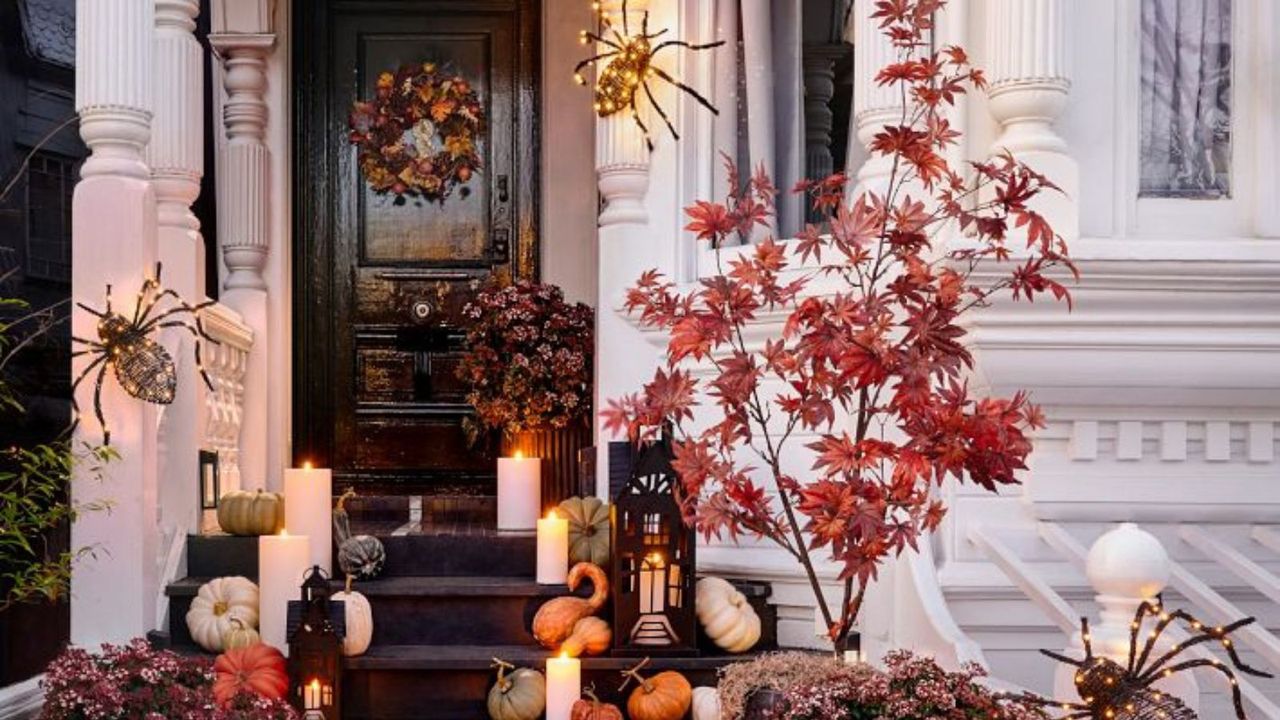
(1162,387)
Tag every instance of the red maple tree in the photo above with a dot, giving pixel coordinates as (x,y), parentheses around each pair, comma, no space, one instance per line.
(872,364)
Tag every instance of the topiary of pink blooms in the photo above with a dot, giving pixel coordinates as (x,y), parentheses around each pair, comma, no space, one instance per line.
(136,681)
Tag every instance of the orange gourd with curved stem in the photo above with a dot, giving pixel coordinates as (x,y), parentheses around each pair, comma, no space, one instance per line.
(555,620)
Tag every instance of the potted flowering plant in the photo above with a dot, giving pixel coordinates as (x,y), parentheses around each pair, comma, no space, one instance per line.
(872,366)
(529,366)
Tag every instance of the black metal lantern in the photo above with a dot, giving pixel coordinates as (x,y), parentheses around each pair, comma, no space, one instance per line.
(209,480)
(315,650)
(653,568)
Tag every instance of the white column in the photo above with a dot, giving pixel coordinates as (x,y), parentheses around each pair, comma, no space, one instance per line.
(757,66)
(243,196)
(176,158)
(725,125)
(874,105)
(626,249)
(1028,66)
(114,242)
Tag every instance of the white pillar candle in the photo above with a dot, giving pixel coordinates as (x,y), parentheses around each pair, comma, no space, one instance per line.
(564,686)
(553,549)
(308,510)
(519,492)
(282,561)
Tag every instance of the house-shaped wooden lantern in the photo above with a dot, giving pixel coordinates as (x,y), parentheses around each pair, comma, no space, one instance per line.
(315,652)
(653,559)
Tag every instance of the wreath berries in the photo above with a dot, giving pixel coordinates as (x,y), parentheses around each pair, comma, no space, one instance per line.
(418,135)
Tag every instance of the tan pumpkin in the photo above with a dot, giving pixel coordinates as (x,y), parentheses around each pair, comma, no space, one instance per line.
(214,606)
(240,635)
(554,621)
(706,703)
(359,617)
(588,529)
(244,512)
(518,695)
(665,696)
(590,708)
(727,615)
(590,636)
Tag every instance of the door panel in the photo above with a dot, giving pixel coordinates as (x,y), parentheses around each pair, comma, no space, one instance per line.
(380,282)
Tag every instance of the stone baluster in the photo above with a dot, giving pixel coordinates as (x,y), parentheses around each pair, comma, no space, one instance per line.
(243,197)
(226,363)
(113,594)
(176,158)
(874,105)
(1028,67)
(1126,566)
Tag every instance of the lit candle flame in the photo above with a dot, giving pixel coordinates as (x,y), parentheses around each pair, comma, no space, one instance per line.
(306,465)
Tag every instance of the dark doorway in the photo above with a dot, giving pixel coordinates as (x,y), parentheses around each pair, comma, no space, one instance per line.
(379,284)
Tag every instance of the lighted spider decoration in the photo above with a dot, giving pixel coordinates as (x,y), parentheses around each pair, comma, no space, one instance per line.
(630,67)
(1111,691)
(142,366)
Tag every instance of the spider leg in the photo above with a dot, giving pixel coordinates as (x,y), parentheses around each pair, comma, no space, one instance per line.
(626,29)
(603,40)
(683,44)
(661,113)
(1063,658)
(1144,609)
(198,336)
(97,404)
(636,116)
(1087,639)
(696,96)
(578,68)
(1218,634)
(93,312)
(181,307)
(75,406)
(1236,698)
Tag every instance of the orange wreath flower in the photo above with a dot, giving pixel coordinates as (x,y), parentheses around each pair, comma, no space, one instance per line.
(418,136)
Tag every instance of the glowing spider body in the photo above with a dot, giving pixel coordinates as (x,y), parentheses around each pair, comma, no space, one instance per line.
(142,366)
(1112,691)
(630,68)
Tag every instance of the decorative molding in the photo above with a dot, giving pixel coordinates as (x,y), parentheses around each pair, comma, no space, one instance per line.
(113,84)
(226,363)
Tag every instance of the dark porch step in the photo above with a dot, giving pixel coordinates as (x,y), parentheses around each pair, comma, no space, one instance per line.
(489,554)
(457,678)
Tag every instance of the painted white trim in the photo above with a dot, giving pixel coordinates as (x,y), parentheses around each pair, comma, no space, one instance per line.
(22,701)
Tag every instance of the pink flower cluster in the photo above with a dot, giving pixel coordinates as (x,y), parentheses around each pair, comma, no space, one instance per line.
(910,688)
(529,357)
(138,681)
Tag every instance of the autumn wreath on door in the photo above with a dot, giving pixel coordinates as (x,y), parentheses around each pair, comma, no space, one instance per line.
(418,136)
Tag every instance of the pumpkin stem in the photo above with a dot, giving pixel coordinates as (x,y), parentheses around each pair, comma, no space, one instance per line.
(238,622)
(349,579)
(590,692)
(634,674)
(342,501)
(503,666)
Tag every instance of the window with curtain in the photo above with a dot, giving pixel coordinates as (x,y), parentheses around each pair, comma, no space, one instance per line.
(1186,99)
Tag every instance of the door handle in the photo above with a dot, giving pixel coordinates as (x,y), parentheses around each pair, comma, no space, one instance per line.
(503,190)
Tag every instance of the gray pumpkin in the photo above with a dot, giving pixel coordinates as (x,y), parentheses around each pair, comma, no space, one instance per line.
(361,556)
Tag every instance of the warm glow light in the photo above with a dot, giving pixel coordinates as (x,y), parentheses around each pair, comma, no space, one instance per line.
(519,455)
(315,684)
(551,514)
(284,532)
(306,465)
(564,655)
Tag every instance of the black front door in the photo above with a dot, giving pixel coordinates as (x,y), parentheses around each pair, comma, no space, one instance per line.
(380,282)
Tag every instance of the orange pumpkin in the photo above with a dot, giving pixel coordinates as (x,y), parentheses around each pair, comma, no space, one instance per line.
(665,696)
(590,708)
(556,618)
(258,668)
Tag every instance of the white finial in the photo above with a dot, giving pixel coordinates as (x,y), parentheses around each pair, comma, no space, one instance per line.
(1128,562)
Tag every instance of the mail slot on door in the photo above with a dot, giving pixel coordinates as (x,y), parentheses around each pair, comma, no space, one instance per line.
(413,298)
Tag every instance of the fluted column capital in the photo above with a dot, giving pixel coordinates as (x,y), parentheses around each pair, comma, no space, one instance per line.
(1029,69)
(874,105)
(176,153)
(622,156)
(113,84)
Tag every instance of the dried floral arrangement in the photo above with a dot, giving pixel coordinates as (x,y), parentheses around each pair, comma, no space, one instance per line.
(420,134)
(874,365)
(529,358)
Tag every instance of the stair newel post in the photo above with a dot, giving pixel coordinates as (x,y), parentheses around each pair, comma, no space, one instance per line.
(1126,566)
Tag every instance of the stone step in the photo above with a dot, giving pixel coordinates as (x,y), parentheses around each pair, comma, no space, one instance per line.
(491,554)
(222,555)
(392,682)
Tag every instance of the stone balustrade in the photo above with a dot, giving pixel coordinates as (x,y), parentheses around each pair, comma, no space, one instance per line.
(226,363)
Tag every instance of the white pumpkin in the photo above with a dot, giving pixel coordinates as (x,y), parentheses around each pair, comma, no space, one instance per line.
(726,615)
(359,614)
(216,603)
(706,703)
